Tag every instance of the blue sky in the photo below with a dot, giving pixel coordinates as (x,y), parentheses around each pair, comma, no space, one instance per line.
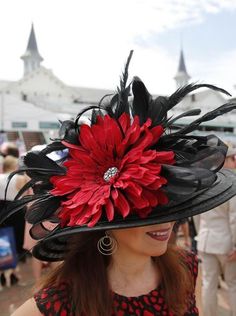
(204,43)
(215,34)
(87,42)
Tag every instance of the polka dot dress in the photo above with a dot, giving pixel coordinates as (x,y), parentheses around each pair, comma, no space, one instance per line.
(56,301)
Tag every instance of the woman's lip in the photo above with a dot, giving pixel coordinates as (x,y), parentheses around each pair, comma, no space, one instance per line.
(160,234)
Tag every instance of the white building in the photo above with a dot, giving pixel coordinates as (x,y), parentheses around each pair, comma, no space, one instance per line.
(206,100)
(30,108)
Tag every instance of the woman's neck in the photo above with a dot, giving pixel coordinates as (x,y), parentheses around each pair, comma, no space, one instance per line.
(132,274)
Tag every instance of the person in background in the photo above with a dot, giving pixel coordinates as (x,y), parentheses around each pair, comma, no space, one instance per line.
(216,242)
(10,164)
(9,149)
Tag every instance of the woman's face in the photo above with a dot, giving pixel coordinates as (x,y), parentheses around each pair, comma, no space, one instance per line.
(147,240)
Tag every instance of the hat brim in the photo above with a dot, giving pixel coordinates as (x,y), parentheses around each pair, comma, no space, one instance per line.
(54,246)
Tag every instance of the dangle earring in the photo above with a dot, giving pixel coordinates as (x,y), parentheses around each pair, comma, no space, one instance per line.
(107,245)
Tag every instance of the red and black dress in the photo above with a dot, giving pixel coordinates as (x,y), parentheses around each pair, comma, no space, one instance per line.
(56,301)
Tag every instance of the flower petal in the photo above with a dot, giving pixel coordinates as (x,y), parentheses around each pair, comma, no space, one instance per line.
(121,204)
(109,207)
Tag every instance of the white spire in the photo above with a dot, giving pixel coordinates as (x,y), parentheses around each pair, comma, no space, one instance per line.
(182,77)
(31,57)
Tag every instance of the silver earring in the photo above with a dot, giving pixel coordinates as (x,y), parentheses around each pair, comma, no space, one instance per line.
(107,245)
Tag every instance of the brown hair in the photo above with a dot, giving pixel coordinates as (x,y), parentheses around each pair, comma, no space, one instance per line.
(85,270)
(10,164)
(10,149)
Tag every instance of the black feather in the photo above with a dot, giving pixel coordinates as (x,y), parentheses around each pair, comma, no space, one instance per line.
(25,188)
(158,111)
(94,115)
(187,113)
(120,101)
(11,175)
(124,78)
(87,109)
(183,181)
(39,231)
(43,208)
(44,165)
(179,94)
(105,97)
(110,106)
(54,146)
(195,151)
(208,117)
(67,132)
(15,206)
(141,100)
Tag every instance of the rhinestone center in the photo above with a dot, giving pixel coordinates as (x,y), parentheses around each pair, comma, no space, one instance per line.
(110,173)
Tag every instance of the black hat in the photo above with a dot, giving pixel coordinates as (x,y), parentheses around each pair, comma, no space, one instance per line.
(132,166)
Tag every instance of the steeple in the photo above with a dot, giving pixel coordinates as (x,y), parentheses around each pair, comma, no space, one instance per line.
(31,57)
(182,77)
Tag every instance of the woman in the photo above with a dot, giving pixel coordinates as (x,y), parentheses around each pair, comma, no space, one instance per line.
(133,278)
(114,200)
(10,164)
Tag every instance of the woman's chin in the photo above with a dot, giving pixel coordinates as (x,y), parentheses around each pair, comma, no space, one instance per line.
(158,252)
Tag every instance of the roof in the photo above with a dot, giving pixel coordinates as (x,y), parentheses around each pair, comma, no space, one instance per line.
(42,81)
(182,68)
(32,47)
(91,95)
(5,84)
(17,110)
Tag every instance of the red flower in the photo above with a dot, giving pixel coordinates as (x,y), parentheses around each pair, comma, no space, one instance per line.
(111,171)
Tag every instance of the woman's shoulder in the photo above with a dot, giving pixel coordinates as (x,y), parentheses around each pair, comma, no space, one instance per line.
(28,308)
(54,300)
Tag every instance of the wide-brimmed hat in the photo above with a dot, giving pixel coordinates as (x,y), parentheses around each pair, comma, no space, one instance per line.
(131,166)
